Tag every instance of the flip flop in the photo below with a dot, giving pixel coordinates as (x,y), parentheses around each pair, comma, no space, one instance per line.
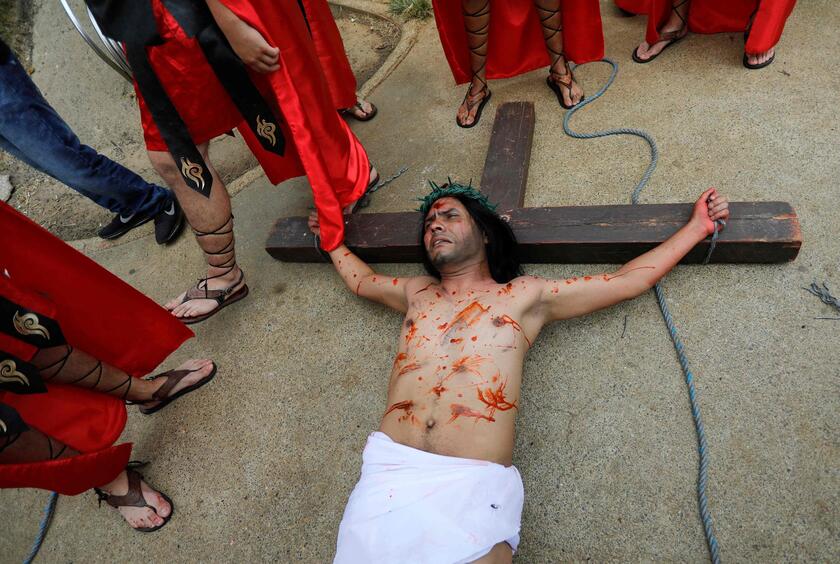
(223,297)
(368,115)
(162,396)
(759,65)
(671,39)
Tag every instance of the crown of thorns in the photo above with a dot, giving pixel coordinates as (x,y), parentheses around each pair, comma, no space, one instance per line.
(453,189)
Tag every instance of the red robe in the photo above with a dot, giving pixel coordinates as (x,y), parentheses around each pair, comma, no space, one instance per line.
(330,49)
(318,142)
(99,314)
(516,44)
(716,16)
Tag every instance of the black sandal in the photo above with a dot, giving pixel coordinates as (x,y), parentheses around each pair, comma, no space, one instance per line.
(672,37)
(134,497)
(368,115)
(161,395)
(472,101)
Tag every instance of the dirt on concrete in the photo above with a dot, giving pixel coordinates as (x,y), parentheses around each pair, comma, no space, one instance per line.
(77,83)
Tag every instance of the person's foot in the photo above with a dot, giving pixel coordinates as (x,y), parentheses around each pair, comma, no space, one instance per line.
(759,59)
(570,90)
(198,370)
(140,517)
(169,223)
(469,108)
(362,110)
(121,224)
(673,30)
(231,281)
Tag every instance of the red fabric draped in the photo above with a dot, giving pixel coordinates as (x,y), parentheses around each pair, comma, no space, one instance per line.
(318,142)
(330,49)
(716,16)
(516,44)
(99,314)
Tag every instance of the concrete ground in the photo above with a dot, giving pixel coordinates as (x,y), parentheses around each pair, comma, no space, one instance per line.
(261,462)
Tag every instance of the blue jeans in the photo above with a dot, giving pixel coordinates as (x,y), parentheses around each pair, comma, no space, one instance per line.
(32,131)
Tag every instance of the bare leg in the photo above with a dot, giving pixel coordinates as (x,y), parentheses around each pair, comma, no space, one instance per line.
(35,446)
(212,223)
(477,22)
(677,26)
(551,19)
(501,554)
(67,365)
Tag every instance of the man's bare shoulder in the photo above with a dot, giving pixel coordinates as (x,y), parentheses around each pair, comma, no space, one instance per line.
(416,284)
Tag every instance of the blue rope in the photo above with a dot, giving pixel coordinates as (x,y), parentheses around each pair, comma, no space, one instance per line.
(702,445)
(42,529)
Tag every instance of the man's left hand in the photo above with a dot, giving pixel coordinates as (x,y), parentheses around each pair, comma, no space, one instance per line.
(710,208)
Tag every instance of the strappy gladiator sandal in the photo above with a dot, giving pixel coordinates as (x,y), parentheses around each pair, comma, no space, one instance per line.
(672,37)
(134,497)
(564,80)
(223,296)
(473,100)
(162,396)
(551,35)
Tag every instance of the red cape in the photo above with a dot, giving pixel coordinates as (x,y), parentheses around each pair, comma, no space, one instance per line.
(99,314)
(318,142)
(516,43)
(717,16)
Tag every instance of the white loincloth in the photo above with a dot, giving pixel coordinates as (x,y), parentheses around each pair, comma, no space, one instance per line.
(414,506)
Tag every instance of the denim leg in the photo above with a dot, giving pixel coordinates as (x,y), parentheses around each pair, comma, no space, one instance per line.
(32,131)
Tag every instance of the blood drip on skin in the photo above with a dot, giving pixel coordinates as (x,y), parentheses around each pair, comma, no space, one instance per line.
(503,320)
(423,289)
(608,278)
(455,341)
(495,399)
(412,330)
(506,290)
(473,338)
(459,410)
(395,281)
(438,389)
(407,406)
(468,316)
(408,368)
(347,253)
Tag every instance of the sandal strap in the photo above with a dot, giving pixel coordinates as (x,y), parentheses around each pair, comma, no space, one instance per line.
(483,31)
(198,292)
(132,498)
(172,379)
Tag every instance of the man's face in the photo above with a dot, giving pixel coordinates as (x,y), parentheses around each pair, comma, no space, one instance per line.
(450,235)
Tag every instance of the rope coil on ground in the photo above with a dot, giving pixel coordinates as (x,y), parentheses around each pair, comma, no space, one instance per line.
(702,445)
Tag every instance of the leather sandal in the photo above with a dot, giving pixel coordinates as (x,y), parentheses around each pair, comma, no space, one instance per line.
(134,497)
(162,396)
(671,37)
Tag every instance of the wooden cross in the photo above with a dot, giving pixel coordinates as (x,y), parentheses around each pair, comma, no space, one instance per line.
(758,232)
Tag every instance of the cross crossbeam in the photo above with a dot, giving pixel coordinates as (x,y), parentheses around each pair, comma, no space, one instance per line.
(758,232)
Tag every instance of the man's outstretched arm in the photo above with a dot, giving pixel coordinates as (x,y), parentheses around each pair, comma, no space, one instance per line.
(362,280)
(562,299)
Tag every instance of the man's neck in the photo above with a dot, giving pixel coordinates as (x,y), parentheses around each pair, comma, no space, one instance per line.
(462,278)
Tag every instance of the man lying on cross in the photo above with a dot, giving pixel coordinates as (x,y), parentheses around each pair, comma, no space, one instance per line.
(437,481)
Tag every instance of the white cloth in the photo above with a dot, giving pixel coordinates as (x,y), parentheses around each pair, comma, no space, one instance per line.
(415,506)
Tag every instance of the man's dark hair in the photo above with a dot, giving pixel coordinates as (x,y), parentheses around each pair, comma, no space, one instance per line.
(501,247)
